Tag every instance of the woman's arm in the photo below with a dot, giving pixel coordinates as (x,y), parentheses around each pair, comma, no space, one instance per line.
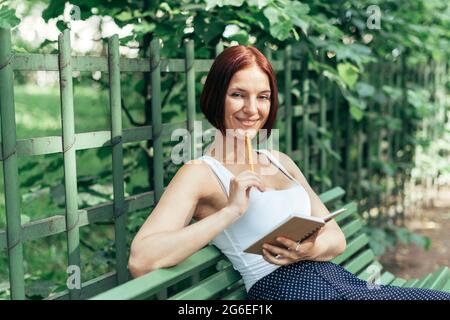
(165,239)
(328,242)
(168,248)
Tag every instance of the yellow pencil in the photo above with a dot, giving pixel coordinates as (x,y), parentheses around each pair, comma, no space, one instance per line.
(248,148)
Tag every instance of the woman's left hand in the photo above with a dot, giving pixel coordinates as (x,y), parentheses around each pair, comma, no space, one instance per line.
(290,251)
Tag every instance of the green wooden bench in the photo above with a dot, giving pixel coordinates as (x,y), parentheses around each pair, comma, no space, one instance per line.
(208,274)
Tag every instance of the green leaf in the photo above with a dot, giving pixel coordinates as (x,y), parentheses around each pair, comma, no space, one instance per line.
(210,4)
(125,16)
(258,3)
(297,11)
(378,248)
(281,29)
(333,76)
(354,52)
(28,166)
(8,18)
(388,169)
(235,3)
(348,72)
(89,199)
(34,193)
(297,8)
(364,89)
(61,25)
(241,37)
(378,240)
(394,93)
(17,49)
(33,179)
(144,27)
(106,189)
(357,106)
(322,26)
(421,241)
(302,24)
(213,31)
(272,14)
(103,153)
(356,113)
(403,235)
(54,9)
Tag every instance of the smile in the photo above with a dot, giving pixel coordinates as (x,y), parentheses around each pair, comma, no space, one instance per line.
(247,123)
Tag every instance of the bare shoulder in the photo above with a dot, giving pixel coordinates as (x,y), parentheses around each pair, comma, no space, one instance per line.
(194,176)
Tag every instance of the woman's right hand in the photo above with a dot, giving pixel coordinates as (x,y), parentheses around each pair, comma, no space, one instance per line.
(240,190)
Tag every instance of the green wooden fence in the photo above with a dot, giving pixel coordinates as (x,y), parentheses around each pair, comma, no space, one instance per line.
(358,143)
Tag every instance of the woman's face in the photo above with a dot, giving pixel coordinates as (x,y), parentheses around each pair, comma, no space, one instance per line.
(247,101)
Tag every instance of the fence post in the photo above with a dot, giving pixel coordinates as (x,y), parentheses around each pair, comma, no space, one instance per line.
(323,90)
(70,167)
(10,169)
(158,163)
(190,88)
(117,159)
(288,98)
(348,145)
(305,115)
(408,154)
(378,143)
(336,136)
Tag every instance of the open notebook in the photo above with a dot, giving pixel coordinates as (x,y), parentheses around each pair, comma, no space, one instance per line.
(296,227)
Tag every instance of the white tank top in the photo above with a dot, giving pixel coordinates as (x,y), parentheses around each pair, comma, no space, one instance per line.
(265,209)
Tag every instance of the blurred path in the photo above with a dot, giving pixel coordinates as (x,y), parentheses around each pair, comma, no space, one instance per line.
(414,262)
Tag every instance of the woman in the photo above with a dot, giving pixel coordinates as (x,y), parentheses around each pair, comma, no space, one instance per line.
(234,206)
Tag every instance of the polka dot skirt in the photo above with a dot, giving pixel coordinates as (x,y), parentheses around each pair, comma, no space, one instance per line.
(317,280)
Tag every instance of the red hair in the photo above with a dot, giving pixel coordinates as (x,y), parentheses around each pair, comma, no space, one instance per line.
(226,64)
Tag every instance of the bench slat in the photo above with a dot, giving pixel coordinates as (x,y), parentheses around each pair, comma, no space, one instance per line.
(431,279)
(352,247)
(352,208)
(446,286)
(439,280)
(398,282)
(331,195)
(151,283)
(410,283)
(423,281)
(360,261)
(239,294)
(210,287)
(370,271)
(91,287)
(352,227)
(387,278)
